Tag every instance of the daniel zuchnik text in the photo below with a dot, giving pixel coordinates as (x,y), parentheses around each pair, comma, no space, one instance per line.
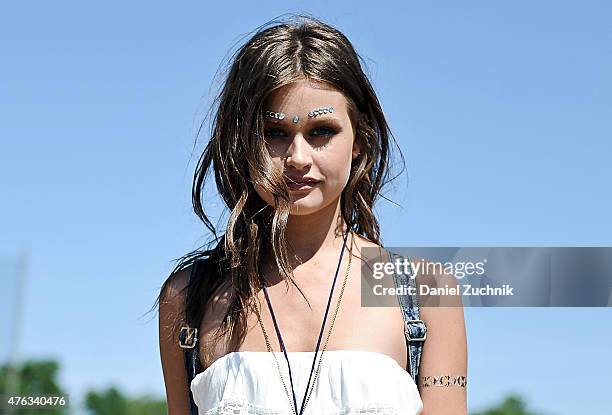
(463,289)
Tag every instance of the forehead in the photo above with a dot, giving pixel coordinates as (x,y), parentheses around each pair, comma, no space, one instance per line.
(303,96)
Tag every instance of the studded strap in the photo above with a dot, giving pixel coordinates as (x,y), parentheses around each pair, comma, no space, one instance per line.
(415,329)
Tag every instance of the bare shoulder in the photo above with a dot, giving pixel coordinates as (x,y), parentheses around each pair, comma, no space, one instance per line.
(172,295)
(374,250)
(176,284)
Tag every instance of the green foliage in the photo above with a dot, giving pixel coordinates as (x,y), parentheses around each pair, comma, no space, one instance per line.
(108,402)
(512,405)
(113,402)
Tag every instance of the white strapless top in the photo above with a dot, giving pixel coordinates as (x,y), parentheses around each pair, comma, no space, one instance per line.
(349,382)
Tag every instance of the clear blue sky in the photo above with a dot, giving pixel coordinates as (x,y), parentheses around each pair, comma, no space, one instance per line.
(502,110)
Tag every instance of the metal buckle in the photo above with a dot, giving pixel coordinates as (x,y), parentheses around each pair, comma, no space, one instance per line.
(188,334)
(407,330)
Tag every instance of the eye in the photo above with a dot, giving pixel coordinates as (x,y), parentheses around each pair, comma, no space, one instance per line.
(273,132)
(324,131)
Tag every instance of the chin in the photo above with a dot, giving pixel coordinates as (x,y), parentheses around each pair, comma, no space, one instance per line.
(301,209)
(307,204)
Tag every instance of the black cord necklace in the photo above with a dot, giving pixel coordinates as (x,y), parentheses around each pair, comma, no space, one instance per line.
(280,338)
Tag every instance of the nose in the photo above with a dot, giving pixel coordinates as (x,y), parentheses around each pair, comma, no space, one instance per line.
(298,153)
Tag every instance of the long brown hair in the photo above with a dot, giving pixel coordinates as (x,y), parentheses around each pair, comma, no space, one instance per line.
(279,53)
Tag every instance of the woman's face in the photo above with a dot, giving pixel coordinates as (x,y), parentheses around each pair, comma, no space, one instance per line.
(320,148)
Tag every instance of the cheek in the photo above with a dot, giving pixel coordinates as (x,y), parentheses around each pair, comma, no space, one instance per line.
(336,166)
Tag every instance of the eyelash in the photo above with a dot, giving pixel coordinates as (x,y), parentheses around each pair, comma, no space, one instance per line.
(330,131)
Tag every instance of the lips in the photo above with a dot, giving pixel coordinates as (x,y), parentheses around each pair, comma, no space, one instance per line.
(303,181)
(301,184)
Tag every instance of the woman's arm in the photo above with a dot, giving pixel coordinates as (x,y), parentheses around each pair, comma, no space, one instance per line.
(171,312)
(445,349)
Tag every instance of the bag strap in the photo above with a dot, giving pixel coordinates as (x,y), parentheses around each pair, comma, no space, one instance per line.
(188,341)
(415,329)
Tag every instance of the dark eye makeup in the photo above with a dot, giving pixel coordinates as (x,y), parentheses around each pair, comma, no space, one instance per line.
(319,131)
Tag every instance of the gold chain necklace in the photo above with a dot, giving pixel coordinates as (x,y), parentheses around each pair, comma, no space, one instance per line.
(269,347)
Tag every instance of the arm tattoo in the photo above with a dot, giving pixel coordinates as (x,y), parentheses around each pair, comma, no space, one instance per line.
(445,380)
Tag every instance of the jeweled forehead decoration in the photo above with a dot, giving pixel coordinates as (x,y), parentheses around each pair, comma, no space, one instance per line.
(277,115)
(320,111)
(313,113)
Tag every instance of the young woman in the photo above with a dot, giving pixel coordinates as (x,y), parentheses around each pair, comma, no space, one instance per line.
(300,152)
